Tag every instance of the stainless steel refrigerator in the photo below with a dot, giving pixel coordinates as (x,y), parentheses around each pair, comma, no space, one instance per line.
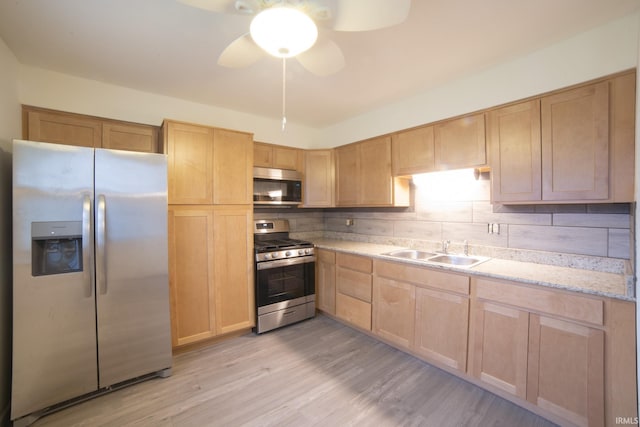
(90,274)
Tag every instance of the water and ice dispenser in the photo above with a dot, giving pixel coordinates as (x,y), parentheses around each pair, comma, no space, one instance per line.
(56,247)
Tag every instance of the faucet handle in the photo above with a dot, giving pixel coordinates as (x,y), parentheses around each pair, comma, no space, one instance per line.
(466,247)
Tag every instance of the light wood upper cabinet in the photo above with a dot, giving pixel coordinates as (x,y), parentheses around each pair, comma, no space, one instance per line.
(575,144)
(277,156)
(210,278)
(208,165)
(460,143)
(413,151)
(190,163)
(326,281)
(347,175)
(319,178)
(64,128)
(232,170)
(87,131)
(514,137)
(130,137)
(363,175)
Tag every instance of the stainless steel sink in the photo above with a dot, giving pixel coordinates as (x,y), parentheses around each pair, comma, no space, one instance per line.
(443,259)
(410,254)
(459,260)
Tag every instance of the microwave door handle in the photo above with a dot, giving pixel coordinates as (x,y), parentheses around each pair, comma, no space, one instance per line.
(87,247)
(101,256)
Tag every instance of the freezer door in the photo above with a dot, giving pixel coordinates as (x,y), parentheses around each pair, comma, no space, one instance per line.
(132,285)
(54,329)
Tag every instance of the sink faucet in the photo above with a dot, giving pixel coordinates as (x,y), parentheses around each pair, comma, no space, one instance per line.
(466,248)
(445,246)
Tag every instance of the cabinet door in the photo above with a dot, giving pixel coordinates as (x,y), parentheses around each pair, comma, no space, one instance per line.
(318,178)
(190,163)
(326,281)
(262,155)
(232,170)
(233,268)
(64,129)
(575,144)
(460,143)
(130,137)
(566,370)
(191,275)
(498,347)
(376,184)
(286,158)
(394,307)
(442,323)
(347,175)
(412,151)
(514,138)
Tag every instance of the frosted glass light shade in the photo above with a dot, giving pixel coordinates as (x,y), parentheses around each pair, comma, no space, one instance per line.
(283,32)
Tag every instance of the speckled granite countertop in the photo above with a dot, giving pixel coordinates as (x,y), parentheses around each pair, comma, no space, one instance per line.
(573,279)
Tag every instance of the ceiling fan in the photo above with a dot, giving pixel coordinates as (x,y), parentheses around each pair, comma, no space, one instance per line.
(322,57)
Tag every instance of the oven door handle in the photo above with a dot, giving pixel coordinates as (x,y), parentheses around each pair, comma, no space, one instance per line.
(285,262)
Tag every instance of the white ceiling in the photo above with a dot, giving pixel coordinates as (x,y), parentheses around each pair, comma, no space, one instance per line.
(169,48)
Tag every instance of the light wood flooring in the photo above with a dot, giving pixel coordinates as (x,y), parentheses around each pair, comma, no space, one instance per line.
(315,373)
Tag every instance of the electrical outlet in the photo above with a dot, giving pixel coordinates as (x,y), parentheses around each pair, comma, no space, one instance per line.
(348,222)
(493,228)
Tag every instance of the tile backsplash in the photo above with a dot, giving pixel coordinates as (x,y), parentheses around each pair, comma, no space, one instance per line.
(594,236)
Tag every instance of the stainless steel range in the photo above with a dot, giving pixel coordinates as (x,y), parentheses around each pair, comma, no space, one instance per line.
(285,276)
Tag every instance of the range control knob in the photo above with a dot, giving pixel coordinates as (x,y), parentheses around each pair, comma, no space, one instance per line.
(300,251)
(288,253)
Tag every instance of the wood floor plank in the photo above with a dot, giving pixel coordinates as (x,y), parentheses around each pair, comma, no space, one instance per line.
(315,373)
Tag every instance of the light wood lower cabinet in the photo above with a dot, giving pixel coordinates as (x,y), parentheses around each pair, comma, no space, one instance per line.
(210,271)
(566,369)
(442,321)
(498,347)
(353,289)
(543,346)
(394,307)
(326,281)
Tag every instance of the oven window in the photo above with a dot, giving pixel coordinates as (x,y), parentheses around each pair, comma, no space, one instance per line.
(280,284)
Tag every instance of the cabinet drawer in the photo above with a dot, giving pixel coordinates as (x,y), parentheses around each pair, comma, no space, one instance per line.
(354,311)
(423,277)
(355,262)
(554,302)
(354,284)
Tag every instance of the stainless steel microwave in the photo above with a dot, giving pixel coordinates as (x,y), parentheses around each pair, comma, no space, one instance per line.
(276,187)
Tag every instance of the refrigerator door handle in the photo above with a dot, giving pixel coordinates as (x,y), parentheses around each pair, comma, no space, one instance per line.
(87,246)
(101,255)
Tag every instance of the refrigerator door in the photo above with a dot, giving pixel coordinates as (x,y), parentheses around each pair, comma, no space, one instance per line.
(132,285)
(54,334)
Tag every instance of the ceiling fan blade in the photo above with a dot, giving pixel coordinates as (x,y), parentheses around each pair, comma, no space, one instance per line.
(323,59)
(241,52)
(366,15)
(219,6)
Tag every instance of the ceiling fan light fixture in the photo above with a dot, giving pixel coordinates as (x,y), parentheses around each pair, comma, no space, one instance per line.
(283,31)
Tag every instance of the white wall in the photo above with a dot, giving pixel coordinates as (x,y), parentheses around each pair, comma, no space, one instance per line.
(63,92)
(9,128)
(604,50)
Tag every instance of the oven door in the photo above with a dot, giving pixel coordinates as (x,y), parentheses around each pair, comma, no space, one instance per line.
(284,279)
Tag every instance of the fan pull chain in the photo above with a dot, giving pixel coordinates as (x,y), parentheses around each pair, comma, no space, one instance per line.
(284,92)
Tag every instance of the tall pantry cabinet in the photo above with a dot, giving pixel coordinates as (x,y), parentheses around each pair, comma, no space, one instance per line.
(210,245)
